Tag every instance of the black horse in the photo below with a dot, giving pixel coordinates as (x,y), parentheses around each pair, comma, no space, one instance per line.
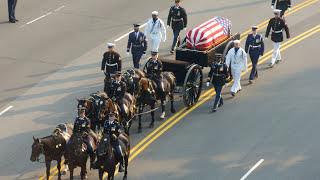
(132,77)
(107,158)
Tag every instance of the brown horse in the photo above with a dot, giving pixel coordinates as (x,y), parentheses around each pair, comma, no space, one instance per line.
(107,158)
(132,77)
(77,154)
(106,106)
(148,95)
(52,147)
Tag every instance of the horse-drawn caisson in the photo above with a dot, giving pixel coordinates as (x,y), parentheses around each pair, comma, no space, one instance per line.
(125,96)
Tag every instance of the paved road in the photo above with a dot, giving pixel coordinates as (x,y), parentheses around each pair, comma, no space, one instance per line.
(45,65)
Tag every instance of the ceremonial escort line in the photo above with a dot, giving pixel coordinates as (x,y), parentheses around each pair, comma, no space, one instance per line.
(7,109)
(252,169)
(285,46)
(294,9)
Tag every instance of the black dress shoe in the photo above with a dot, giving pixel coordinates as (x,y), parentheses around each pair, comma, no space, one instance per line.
(12,21)
(257,77)
(278,61)
(233,94)
(220,105)
(16,20)
(213,109)
(250,82)
(171,51)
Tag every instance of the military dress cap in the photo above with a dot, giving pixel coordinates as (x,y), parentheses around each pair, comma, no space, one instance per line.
(153,53)
(118,73)
(81,107)
(136,25)
(111,45)
(254,27)
(236,41)
(177,0)
(155,13)
(218,55)
(277,11)
(112,114)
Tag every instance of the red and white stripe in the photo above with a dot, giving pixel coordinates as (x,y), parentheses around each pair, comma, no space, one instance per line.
(205,34)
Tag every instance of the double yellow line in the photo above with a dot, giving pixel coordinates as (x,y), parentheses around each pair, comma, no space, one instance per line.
(204,97)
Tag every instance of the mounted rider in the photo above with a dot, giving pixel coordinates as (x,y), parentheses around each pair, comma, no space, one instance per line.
(112,128)
(111,63)
(82,125)
(117,91)
(154,72)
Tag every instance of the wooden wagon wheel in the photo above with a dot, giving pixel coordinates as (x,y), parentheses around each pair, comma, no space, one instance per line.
(192,85)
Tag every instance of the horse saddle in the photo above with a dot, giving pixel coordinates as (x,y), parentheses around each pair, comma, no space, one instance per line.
(63,130)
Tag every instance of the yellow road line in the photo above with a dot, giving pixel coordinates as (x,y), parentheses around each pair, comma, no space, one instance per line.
(294,9)
(290,43)
(265,23)
(54,168)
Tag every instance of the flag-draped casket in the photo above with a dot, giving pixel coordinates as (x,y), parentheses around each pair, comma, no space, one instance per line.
(208,34)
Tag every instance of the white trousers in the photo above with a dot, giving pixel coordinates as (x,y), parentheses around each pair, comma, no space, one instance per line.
(276,52)
(236,74)
(154,43)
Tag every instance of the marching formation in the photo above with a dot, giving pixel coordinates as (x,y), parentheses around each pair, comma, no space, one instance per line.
(96,132)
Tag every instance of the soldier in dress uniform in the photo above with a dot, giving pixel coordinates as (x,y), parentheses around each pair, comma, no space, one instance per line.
(111,63)
(255,48)
(178,18)
(112,128)
(154,72)
(283,5)
(116,92)
(276,24)
(157,31)
(138,43)
(219,76)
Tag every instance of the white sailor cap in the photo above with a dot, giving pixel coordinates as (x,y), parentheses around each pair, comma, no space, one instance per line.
(236,41)
(111,45)
(155,13)
(254,27)
(276,11)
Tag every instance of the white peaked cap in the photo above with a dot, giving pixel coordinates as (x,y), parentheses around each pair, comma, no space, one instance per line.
(110,45)
(236,41)
(155,13)
(277,11)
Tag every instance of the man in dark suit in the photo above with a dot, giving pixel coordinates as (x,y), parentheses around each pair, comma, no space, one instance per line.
(138,43)
(283,5)
(12,8)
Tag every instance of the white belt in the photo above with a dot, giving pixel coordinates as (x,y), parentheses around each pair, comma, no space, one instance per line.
(112,64)
(235,62)
(277,31)
(254,46)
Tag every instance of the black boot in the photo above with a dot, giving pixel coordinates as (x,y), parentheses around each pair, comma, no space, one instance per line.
(121,168)
(92,164)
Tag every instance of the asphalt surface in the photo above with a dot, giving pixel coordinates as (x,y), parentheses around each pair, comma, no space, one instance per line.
(45,65)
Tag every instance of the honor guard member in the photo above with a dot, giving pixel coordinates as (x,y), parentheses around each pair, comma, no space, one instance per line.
(138,43)
(237,58)
(12,11)
(276,25)
(82,125)
(283,5)
(178,18)
(255,48)
(219,76)
(112,128)
(116,92)
(155,28)
(154,72)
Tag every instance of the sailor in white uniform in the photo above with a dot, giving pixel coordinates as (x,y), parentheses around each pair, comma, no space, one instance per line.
(157,31)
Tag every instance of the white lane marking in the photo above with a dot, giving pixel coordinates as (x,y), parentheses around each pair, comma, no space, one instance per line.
(252,169)
(7,109)
(59,8)
(39,18)
(129,33)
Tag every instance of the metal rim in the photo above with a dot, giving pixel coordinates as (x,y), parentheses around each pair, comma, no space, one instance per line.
(192,85)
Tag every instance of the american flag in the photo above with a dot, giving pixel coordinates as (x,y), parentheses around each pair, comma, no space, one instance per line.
(206,34)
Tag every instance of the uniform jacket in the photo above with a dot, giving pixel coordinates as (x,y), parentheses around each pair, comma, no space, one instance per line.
(137,45)
(154,68)
(113,130)
(81,125)
(111,62)
(117,90)
(218,73)
(282,4)
(254,45)
(237,60)
(177,17)
(156,30)
(277,24)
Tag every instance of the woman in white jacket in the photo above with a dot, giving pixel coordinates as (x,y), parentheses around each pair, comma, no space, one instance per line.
(157,31)
(237,59)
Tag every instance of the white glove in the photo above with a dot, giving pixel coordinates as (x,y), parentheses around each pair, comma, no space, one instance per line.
(272,7)
(266,38)
(185,29)
(260,55)
(144,54)
(163,40)
(128,53)
(102,71)
(208,84)
(226,84)
(168,26)
(288,9)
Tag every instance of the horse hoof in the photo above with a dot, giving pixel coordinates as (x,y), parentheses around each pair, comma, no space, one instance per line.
(151,126)
(64,172)
(173,111)
(139,130)
(124,178)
